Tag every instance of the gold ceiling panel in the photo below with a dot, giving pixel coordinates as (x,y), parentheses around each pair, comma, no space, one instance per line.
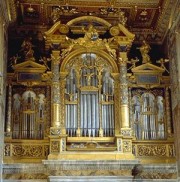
(148,20)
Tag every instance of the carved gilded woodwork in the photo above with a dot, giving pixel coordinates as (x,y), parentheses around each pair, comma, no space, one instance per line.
(32,150)
(54,146)
(87,70)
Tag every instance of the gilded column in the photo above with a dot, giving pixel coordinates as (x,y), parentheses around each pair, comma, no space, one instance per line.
(168,118)
(8,124)
(58,132)
(55,93)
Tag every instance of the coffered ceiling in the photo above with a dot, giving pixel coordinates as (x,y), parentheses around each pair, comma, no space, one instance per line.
(148,19)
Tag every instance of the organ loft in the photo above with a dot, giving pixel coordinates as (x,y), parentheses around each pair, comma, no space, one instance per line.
(87,101)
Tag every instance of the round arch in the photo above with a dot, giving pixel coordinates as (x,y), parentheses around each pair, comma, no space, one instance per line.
(101,53)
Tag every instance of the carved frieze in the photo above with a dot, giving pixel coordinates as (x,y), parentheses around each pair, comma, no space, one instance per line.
(152,150)
(27,150)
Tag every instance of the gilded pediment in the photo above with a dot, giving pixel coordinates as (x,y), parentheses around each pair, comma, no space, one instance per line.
(29,66)
(148,68)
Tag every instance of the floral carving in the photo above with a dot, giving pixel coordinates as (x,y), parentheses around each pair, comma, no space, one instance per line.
(27,151)
(152,150)
(54,146)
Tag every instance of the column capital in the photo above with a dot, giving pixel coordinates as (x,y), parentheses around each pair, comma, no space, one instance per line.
(122,59)
(55,57)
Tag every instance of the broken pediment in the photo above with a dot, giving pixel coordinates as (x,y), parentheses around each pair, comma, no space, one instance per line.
(56,35)
(57,29)
(122,35)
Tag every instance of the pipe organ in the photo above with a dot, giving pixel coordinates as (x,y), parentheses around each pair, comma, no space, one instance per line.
(149,115)
(28,115)
(86,101)
(89,91)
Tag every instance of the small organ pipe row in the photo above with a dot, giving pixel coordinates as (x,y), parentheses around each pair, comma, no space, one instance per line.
(28,115)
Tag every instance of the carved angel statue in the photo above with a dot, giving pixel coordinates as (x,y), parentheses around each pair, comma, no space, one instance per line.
(91,33)
(144,49)
(162,62)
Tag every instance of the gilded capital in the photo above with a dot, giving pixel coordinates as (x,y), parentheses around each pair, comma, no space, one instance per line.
(123,60)
(55,57)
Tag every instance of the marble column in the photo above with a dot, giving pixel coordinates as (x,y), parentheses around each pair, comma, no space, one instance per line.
(124,143)
(55,93)
(124,107)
